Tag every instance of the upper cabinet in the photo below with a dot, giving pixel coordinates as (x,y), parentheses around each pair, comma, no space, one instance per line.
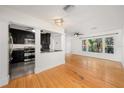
(22,37)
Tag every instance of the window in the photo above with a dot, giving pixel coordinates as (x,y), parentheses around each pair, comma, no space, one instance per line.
(95,45)
(109,45)
(84,45)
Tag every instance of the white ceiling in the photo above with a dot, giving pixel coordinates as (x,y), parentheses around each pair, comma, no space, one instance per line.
(84,19)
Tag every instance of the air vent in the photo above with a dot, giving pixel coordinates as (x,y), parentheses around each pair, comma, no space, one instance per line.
(68,8)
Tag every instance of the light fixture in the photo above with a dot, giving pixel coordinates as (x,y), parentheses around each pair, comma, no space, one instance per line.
(76,34)
(59,21)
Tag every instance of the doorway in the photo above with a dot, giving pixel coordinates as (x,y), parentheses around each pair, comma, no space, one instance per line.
(21,50)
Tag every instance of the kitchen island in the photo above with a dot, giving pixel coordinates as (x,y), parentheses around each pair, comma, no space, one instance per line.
(50,51)
(50,59)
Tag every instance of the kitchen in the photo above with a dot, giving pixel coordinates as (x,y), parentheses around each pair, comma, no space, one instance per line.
(22,48)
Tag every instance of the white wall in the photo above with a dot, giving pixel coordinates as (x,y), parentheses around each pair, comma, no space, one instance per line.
(68,44)
(3,53)
(7,16)
(117,56)
(76,46)
(122,45)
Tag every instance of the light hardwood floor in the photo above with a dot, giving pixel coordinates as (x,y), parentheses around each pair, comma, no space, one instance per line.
(77,72)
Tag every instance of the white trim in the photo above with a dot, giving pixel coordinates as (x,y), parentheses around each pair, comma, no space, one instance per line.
(4,81)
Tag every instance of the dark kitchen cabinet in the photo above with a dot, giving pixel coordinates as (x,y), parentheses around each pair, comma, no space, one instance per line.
(19,36)
(45,41)
(17,56)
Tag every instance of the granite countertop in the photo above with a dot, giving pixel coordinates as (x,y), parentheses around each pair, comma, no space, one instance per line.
(49,51)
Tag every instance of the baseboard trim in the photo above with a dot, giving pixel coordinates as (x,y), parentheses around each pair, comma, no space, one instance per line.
(4,81)
(97,57)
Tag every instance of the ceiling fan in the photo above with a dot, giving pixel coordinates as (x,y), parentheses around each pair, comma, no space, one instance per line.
(76,34)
